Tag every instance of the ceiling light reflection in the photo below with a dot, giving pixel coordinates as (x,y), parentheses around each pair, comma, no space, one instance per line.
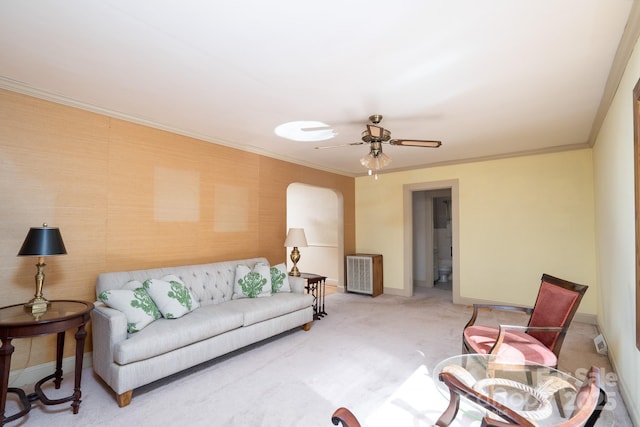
(305,131)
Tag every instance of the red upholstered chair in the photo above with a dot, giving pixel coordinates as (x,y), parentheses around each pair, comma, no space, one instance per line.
(541,340)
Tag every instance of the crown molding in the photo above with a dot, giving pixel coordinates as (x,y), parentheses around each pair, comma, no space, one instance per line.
(628,41)
(25,89)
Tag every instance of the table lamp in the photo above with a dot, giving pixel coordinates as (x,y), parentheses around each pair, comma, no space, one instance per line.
(295,238)
(41,241)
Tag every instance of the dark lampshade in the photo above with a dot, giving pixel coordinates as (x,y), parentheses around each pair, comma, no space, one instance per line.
(43,241)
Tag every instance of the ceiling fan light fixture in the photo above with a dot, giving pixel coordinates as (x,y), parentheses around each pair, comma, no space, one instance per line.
(375,160)
(383,160)
(367,161)
(376,136)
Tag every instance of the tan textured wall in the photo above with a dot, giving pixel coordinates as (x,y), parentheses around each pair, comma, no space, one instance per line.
(126,196)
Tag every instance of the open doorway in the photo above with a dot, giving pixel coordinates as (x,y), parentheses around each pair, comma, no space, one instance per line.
(319,211)
(431,237)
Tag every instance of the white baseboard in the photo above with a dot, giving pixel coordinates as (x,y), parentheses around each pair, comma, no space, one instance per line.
(32,374)
(622,382)
(422,284)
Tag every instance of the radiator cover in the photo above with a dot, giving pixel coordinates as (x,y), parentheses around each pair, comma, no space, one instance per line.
(364,274)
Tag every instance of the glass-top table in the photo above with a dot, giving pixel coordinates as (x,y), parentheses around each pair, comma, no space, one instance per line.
(541,394)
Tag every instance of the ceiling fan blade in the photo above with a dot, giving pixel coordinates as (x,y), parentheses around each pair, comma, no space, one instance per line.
(416,143)
(338,145)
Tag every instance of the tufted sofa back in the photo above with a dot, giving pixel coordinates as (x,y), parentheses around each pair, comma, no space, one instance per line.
(209,283)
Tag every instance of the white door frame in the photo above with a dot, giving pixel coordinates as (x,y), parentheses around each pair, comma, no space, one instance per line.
(408,190)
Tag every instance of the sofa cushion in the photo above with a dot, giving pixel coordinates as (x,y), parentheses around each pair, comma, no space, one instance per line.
(279,279)
(256,310)
(166,335)
(170,295)
(250,283)
(135,303)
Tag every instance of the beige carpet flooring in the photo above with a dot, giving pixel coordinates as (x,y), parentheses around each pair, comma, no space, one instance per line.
(373,355)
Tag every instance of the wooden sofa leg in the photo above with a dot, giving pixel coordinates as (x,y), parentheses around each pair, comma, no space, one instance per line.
(125,398)
(307,326)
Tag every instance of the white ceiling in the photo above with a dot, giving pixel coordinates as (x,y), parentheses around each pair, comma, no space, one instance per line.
(486,77)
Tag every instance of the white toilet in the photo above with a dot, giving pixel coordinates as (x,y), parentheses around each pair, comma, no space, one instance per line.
(444,270)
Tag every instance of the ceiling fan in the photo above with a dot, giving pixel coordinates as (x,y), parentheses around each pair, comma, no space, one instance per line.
(375,136)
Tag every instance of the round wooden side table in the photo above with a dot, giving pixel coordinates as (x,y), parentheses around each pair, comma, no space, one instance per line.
(16,322)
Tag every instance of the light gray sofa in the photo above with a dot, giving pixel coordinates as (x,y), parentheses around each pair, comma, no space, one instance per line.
(167,346)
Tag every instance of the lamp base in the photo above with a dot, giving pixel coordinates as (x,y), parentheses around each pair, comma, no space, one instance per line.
(294,271)
(295,257)
(37,305)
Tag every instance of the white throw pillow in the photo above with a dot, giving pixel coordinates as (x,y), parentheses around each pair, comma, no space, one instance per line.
(279,279)
(254,283)
(136,304)
(172,298)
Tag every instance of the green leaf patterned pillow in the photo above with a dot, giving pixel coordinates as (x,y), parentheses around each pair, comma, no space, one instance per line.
(254,283)
(172,297)
(173,278)
(136,304)
(279,279)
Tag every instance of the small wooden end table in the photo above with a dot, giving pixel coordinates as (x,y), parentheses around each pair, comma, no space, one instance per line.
(16,322)
(316,286)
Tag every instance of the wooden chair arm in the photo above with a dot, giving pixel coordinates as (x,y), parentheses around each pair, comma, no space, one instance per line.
(477,307)
(457,387)
(491,422)
(346,417)
(502,330)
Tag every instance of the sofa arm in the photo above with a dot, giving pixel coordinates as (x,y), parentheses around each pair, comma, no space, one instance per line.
(297,284)
(109,327)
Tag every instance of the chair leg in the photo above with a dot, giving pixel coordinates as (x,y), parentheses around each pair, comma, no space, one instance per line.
(602,401)
(450,413)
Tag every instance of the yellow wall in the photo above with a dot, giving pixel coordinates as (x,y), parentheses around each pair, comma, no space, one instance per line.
(126,196)
(518,218)
(615,225)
